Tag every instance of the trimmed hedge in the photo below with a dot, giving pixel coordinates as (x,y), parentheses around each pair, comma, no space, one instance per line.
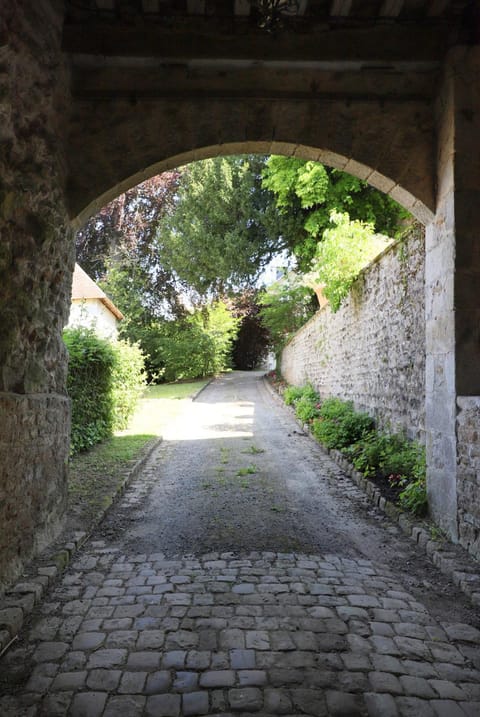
(104,381)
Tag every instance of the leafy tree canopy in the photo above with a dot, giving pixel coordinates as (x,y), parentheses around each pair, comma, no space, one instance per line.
(126,225)
(310,191)
(225,226)
(285,306)
(346,248)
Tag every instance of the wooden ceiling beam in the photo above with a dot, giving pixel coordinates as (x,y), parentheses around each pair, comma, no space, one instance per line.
(391,8)
(380,44)
(340,8)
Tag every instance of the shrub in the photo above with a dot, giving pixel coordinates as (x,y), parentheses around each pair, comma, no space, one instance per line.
(307,406)
(197,346)
(89,385)
(414,497)
(400,461)
(104,382)
(305,399)
(292,394)
(128,381)
(338,425)
(347,246)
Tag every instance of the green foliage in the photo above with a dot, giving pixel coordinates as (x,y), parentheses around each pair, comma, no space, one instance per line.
(307,408)
(305,399)
(346,248)
(292,394)
(338,425)
(104,382)
(128,382)
(310,192)
(285,306)
(198,346)
(397,459)
(225,226)
(89,385)
(414,497)
(392,455)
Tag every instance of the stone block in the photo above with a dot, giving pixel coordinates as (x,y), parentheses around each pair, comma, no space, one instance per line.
(11,619)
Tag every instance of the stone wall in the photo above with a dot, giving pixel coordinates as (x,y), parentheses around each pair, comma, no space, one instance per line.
(36,265)
(32,492)
(372,351)
(468,472)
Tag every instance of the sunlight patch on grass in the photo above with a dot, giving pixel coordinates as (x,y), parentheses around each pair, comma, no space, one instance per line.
(174,391)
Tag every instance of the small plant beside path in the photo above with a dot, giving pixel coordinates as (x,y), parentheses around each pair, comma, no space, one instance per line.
(394,463)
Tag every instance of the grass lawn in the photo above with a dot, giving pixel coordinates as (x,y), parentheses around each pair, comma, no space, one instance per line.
(175,390)
(95,477)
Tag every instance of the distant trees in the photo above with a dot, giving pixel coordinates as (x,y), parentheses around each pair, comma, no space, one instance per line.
(189,241)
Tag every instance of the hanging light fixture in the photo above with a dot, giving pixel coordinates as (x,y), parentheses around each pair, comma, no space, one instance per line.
(271,11)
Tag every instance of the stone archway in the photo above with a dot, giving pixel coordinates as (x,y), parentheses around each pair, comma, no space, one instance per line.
(85,115)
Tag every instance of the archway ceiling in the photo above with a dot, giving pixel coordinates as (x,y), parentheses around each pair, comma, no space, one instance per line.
(349,48)
(137,57)
(185,27)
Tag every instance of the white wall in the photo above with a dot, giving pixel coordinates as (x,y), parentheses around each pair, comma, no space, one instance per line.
(93,314)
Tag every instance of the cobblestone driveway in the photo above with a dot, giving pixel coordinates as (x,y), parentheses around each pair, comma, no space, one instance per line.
(269,633)
(130,630)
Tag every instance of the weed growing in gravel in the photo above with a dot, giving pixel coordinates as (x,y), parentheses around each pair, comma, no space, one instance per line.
(250,470)
(225,455)
(254,450)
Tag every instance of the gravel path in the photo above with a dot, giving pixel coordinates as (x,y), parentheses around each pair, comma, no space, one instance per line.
(203,497)
(242,573)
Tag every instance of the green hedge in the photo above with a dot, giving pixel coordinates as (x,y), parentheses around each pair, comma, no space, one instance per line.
(104,381)
(128,382)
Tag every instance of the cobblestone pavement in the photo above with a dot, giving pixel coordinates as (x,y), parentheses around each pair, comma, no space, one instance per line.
(346,620)
(266,633)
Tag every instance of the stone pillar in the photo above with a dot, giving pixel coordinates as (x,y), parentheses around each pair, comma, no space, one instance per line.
(36,265)
(452,300)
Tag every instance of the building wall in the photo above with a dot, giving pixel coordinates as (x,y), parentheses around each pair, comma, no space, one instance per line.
(468,480)
(93,314)
(372,351)
(36,266)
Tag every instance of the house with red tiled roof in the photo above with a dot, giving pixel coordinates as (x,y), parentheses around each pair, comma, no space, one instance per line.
(91,307)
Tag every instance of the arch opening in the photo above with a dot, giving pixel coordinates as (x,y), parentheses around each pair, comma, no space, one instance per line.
(371,176)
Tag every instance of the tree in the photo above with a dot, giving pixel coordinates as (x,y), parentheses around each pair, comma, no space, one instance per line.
(125,225)
(311,192)
(225,227)
(252,342)
(199,345)
(285,306)
(346,248)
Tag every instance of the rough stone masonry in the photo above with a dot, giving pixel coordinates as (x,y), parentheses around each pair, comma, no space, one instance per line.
(36,260)
(73,136)
(372,350)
